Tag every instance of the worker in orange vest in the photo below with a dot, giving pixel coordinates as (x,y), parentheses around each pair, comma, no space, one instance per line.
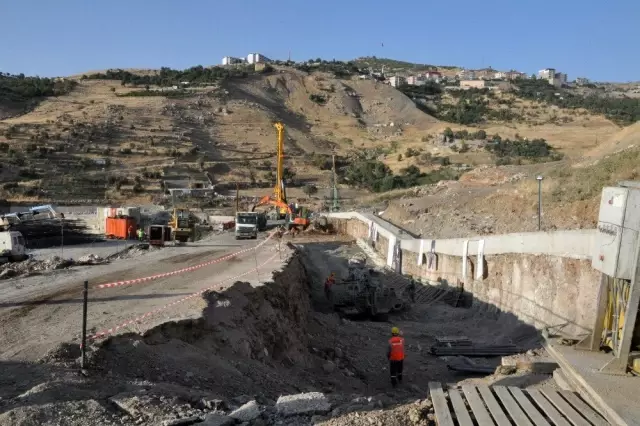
(395,353)
(328,283)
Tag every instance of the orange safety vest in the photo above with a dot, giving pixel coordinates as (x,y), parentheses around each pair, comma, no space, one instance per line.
(397,348)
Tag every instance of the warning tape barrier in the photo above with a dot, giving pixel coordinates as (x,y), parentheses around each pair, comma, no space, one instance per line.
(162,308)
(180,271)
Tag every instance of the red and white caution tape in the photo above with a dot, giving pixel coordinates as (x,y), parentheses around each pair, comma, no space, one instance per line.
(162,308)
(180,271)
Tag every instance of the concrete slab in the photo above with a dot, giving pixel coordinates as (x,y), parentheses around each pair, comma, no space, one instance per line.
(616,397)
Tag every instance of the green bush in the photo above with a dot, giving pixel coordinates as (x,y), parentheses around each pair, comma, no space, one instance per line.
(536,148)
(170,77)
(377,177)
(319,99)
(20,88)
(621,110)
(165,93)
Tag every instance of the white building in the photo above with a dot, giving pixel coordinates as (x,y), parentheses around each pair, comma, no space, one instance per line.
(397,81)
(416,80)
(230,60)
(433,75)
(467,75)
(554,78)
(256,58)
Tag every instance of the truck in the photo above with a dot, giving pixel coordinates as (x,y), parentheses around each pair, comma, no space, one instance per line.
(12,247)
(249,223)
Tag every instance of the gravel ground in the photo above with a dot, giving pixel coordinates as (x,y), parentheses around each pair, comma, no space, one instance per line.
(99,248)
(38,312)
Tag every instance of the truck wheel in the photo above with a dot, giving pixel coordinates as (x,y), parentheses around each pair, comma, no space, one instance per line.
(255,237)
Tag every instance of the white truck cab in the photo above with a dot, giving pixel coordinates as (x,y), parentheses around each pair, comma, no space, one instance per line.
(12,247)
(246,225)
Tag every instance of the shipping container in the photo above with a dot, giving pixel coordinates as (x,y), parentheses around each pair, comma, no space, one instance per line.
(119,227)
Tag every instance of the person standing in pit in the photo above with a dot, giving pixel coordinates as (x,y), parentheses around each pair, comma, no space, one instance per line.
(395,354)
(328,283)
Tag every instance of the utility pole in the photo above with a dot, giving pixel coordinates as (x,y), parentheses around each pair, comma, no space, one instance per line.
(335,206)
(237,197)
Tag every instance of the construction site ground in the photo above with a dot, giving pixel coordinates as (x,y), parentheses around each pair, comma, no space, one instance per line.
(205,360)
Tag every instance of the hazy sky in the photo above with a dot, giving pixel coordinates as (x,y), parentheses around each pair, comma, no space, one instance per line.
(595,39)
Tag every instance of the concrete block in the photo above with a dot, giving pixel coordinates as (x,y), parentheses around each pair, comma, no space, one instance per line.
(537,367)
(216,419)
(561,380)
(247,412)
(182,422)
(303,403)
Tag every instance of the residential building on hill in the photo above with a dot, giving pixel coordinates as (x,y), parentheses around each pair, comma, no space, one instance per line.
(397,81)
(554,78)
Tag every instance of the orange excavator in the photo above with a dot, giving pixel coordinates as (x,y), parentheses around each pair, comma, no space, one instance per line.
(295,217)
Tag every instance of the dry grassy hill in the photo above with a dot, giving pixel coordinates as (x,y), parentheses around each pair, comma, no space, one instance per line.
(105,141)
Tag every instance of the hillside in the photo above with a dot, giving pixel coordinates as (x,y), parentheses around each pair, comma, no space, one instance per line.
(125,136)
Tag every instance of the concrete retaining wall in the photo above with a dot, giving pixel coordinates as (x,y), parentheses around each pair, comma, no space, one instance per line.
(544,278)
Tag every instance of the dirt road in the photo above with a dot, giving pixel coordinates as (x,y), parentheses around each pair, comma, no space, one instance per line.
(38,312)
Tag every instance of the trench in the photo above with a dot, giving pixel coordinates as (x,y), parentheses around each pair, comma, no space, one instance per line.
(280,338)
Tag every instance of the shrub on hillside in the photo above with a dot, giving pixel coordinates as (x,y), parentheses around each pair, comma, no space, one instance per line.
(536,148)
(20,88)
(621,110)
(319,99)
(170,77)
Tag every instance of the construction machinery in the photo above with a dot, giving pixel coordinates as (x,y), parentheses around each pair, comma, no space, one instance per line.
(360,294)
(183,222)
(183,225)
(295,217)
(279,197)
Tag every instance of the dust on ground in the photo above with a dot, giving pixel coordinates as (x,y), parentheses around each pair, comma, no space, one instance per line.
(252,345)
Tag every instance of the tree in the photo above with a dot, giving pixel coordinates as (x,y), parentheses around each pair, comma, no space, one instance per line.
(310,189)
(448,133)
(481,134)
(288,175)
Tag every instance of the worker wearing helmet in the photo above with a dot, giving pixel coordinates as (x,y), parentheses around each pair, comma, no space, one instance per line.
(395,354)
(331,280)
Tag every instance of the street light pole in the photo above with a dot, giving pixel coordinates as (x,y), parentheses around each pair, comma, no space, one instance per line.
(539,178)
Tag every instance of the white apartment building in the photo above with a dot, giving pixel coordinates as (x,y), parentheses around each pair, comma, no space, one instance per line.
(256,58)
(397,81)
(231,60)
(416,80)
(554,78)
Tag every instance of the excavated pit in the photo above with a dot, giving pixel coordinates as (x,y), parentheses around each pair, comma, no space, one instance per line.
(282,337)
(270,340)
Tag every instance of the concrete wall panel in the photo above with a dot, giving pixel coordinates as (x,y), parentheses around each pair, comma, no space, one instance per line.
(544,279)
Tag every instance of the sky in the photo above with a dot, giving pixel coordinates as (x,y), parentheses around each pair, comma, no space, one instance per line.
(583,38)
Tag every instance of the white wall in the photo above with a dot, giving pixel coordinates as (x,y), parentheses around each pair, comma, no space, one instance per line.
(575,244)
